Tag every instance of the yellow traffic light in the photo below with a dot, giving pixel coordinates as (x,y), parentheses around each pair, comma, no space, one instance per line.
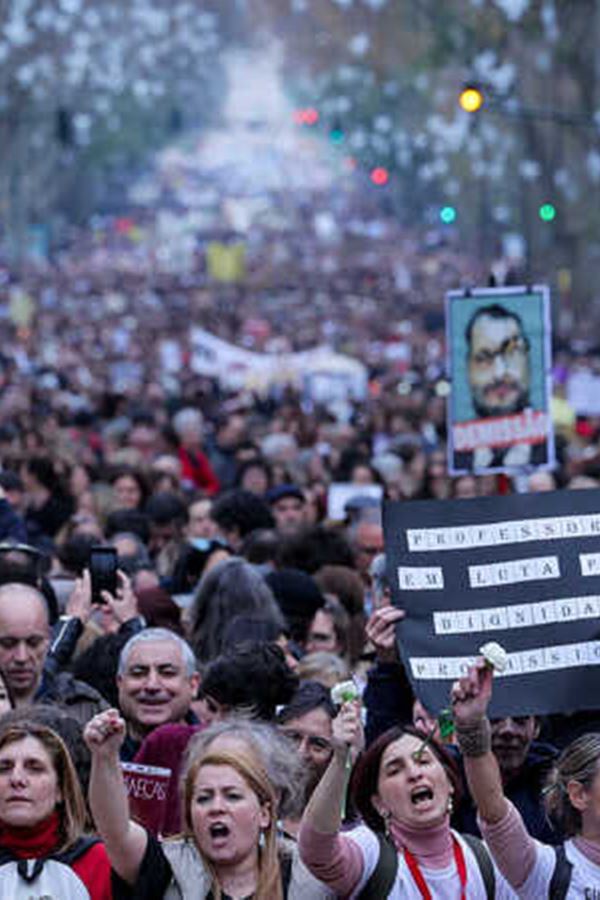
(471,99)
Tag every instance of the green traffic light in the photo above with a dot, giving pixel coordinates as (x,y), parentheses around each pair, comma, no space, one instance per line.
(448,215)
(336,136)
(547,212)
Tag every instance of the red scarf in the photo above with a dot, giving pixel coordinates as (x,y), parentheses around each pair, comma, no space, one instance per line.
(32,842)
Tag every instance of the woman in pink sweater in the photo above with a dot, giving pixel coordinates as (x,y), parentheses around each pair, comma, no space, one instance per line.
(534,870)
(403,787)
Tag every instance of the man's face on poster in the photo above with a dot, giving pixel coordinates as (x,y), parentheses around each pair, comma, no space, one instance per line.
(498,366)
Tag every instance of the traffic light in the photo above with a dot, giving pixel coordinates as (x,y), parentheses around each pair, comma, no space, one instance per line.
(471,98)
(336,133)
(448,215)
(308,116)
(380,176)
(547,212)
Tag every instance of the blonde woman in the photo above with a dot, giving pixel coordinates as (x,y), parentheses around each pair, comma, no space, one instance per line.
(228,848)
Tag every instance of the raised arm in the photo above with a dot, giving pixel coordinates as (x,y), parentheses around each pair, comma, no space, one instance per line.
(333,859)
(324,809)
(513,849)
(470,698)
(125,840)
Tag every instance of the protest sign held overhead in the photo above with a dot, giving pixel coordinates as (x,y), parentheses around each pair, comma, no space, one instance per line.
(499,359)
(523,571)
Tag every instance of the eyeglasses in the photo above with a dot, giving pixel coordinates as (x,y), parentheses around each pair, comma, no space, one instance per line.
(509,350)
(320,637)
(313,741)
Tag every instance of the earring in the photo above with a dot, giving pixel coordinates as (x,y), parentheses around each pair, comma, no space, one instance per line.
(261,840)
(450,807)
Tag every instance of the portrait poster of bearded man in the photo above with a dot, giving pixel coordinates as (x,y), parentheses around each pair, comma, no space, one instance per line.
(499,362)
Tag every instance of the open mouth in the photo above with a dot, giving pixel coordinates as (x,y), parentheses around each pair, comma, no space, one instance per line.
(218,831)
(421,795)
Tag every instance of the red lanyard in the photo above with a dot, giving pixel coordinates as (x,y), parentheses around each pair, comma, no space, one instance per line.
(461,867)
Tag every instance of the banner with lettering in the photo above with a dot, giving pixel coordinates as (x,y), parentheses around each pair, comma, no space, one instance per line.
(147,790)
(522,570)
(499,363)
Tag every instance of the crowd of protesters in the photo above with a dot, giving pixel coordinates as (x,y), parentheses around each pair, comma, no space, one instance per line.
(239,603)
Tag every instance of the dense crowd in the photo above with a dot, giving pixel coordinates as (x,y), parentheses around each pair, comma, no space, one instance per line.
(239,601)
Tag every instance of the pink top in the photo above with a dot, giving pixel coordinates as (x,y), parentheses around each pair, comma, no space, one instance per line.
(514,850)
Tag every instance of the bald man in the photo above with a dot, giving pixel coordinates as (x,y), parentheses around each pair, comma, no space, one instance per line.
(24,645)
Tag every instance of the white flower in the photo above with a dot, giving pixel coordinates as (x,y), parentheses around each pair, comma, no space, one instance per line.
(344,692)
(495,655)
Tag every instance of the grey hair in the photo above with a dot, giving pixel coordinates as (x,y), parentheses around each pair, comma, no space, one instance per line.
(186,418)
(378,570)
(327,668)
(273,446)
(389,466)
(371,515)
(275,752)
(142,557)
(158,634)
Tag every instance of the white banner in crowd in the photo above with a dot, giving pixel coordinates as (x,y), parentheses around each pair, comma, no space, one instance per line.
(322,373)
(523,570)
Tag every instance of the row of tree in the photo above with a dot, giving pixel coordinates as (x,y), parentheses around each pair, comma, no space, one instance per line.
(89,87)
(386,75)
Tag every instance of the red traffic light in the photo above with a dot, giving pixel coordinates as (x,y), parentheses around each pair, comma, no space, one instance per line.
(380,176)
(309,116)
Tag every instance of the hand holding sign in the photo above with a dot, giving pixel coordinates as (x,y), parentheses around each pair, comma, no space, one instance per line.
(472,693)
(520,570)
(381,631)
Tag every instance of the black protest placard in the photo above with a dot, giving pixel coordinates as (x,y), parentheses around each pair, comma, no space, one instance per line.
(521,570)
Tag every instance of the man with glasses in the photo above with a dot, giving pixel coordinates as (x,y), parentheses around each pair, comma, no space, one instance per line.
(306,721)
(499,377)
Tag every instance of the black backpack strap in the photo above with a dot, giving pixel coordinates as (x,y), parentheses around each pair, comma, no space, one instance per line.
(285,867)
(484,861)
(383,876)
(561,877)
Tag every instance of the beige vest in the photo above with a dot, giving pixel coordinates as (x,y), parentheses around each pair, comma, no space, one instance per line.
(191,880)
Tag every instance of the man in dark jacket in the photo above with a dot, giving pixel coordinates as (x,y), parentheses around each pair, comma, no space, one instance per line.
(524,764)
(24,645)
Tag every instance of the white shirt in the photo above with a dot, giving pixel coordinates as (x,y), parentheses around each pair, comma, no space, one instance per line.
(585,875)
(444,884)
